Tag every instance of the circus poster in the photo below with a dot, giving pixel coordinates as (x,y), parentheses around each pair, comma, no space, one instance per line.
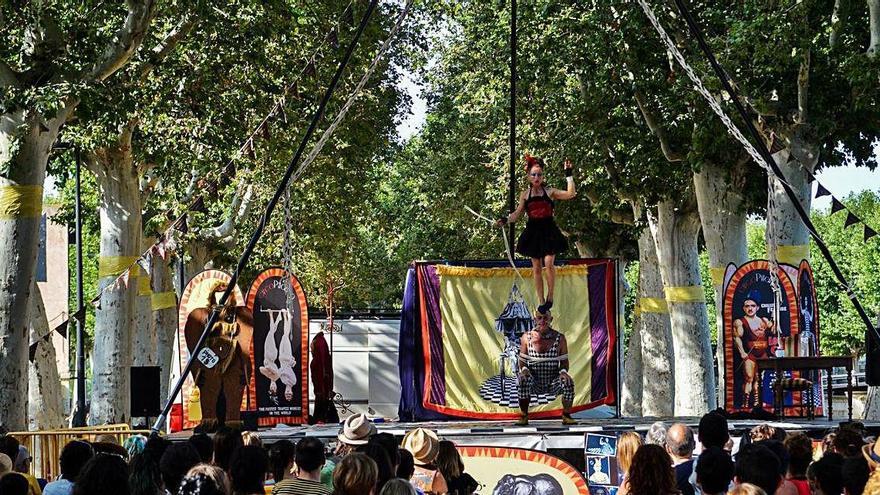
(279,379)
(512,471)
(472,317)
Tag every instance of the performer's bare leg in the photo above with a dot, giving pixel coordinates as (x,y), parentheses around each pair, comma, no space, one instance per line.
(525,397)
(550,266)
(539,279)
(749,387)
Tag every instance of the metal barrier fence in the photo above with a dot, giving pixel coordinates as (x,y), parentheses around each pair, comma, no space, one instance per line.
(45,446)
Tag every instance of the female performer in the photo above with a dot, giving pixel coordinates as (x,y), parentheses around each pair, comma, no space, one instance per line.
(541,240)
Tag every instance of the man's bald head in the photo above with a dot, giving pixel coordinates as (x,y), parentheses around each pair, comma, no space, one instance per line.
(680,441)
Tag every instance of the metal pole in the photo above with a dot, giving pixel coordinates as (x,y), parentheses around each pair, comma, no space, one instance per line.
(511,197)
(79,418)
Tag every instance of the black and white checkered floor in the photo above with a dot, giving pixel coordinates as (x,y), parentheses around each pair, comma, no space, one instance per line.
(503,390)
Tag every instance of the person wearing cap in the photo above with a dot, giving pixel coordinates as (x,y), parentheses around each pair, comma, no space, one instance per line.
(424,446)
(871,453)
(752,340)
(543,368)
(356,431)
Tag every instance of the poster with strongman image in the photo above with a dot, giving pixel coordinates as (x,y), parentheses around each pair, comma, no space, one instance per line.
(755,329)
(279,383)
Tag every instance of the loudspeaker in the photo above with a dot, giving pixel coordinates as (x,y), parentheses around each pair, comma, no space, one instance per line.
(145,391)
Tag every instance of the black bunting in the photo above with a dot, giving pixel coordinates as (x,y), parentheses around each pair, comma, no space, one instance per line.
(62,328)
(348,15)
(850,220)
(821,191)
(869,232)
(310,68)
(332,38)
(79,315)
(198,205)
(836,205)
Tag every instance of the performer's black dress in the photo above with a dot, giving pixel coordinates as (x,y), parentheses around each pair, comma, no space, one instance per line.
(541,235)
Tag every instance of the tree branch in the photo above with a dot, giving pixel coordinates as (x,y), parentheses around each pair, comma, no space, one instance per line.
(836,22)
(874,19)
(8,77)
(127,39)
(670,154)
(166,46)
(804,86)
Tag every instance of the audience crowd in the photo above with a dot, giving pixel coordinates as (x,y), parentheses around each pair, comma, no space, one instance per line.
(669,459)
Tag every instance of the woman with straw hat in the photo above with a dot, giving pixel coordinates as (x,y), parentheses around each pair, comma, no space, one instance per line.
(424,446)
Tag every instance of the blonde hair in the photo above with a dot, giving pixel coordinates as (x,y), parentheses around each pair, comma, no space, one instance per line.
(214,473)
(251,438)
(748,489)
(763,432)
(873,485)
(356,474)
(627,445)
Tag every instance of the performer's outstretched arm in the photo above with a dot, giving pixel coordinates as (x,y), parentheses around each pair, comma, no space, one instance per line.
(569,191)
(514,216)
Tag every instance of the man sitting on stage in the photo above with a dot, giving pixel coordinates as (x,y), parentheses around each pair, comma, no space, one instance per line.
(543,365)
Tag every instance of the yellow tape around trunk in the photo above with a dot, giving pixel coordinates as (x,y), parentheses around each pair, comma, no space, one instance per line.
(717,274)
(464,271)
(112,266)
(144,288)
(163,300)
(688,294)
(792,255)
(20,202)
(653,305)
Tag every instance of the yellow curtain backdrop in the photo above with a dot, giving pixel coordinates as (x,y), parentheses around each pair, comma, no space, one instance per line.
(471,299)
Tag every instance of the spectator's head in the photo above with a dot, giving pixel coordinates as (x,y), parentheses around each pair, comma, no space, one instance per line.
(712,431)
(107,438)
(825,475)
(407,467)
(828,442)
(848,442)
(765,432)
(390,444)
(627,445)
(203,445)
(205,479)
(156,446)
(281,459)
(422,444)
(356,430)
(855,473)
(871,453)
(714,471)
(310,455)
(134,444)
(175,462)
(747,489)
(104,474)
(651,471)
(758,465)
(656,434)
(74,456)
(23,460)
(356,474)
(448,460)
(398,486)
(800,454)
(780,452)
(13,484)
(680,441)
(226,441)
(9,446)
(5,464)
(383,465)
(251,438)
(248,468)
(110,448)
(144,477)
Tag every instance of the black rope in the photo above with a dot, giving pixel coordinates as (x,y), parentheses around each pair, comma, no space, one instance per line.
(768,158)
(270,207)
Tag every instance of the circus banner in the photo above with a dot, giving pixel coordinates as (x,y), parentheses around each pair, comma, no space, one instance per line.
(197,294)
(807,343)
(279,379)
(512,471)
(470,319)
(755,328)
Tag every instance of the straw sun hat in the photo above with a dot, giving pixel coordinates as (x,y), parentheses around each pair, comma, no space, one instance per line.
(356,430)
(422,444)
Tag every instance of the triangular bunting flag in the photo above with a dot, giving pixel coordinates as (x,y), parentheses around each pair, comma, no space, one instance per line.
(198,205)
(348,15)
(850,220)
(836,205)
(123,278)
(96,301)
(869,232)
(160,250)
(267,134)
(210,186)
(79,315)
(62,328)
(252,152)
(182,225)
(294,90)
(332,38)
(310,68)
(821,191)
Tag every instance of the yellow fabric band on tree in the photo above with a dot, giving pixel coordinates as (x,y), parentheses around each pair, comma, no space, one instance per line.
(163,300)
(717,274)
(792,255)
(637,309)
(464,271)
(144,288)
(653,305)
(112,266)
(20,202)
(689,294)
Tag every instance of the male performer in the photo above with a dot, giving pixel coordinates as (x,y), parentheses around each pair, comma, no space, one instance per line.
(752,340)
(543,368)
(228,361)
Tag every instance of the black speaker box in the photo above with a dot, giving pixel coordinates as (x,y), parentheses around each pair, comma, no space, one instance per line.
(145,391)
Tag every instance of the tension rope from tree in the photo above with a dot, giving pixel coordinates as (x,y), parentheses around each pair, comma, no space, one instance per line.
(759,152)
(264,220)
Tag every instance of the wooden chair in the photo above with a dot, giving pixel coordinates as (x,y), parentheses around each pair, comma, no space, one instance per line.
(785,384)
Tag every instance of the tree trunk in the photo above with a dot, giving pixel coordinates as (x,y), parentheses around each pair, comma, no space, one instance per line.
(25,142)
(675,235)
(874,25)
(658,372)
(783,222)
(145,343)
(723,220)
(121,234)
(631,391)
(45,395)
(164,319)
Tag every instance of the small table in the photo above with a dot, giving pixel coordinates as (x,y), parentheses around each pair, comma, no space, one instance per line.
(810,363)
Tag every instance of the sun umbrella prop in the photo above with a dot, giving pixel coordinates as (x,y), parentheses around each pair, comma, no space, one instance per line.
(515,319)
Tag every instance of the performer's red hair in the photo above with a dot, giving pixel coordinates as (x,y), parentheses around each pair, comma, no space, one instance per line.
(531,162)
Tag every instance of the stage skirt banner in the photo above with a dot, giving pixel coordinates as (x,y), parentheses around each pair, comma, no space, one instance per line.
(469,320)
(279,385)
(197,294)
(511,471)
(755,328)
